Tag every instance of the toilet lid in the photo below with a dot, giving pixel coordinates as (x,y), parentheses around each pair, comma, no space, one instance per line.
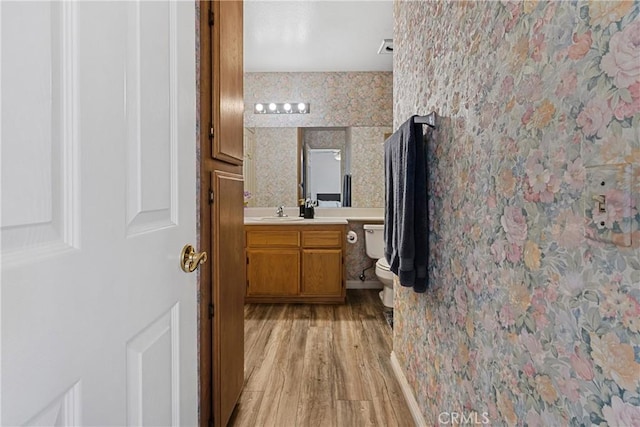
(383,264)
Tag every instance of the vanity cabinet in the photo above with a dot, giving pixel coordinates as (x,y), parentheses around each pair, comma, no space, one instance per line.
(295,263)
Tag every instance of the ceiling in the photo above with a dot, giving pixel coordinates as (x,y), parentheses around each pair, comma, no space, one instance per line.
(316,35)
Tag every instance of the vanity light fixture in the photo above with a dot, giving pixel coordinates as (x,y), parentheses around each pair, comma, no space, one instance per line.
(282,108)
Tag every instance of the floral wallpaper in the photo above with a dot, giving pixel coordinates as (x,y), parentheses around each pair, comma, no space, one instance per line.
(367,166)
(325,138)
(531,318)
(275,161)
(337,99)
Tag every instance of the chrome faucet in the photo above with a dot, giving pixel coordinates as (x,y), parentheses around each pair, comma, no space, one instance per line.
(280,212)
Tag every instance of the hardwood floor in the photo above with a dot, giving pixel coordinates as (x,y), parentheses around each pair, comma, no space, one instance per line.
(320,365)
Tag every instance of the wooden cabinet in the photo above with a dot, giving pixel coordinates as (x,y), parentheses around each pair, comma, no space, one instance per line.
(295,263)
(221,227)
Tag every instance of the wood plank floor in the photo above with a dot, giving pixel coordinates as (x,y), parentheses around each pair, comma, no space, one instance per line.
(320,365)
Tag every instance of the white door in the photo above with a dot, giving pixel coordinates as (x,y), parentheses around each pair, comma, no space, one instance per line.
(98,198)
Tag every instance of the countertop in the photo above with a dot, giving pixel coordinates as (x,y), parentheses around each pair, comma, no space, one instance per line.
(292,221)
(264,216)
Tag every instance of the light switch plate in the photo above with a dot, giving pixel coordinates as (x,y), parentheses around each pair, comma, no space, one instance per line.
(607,202)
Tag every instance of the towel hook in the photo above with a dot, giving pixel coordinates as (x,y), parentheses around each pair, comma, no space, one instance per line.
(429,120)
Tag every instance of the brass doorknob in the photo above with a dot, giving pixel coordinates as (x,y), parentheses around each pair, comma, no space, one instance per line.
(190,259)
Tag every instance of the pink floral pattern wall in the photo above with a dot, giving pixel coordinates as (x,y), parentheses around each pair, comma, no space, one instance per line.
(276,164)
(367,166)
(337,98)
(526,319)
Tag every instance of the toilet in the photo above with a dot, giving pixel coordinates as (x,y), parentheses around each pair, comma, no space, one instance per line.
(374,244)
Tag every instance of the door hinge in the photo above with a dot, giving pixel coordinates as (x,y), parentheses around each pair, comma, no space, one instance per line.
(210,196)
(211,132)
(211,311)
(210,18)
(247,260)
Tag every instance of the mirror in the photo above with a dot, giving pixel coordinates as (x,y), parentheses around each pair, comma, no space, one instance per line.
(283,164)
(325,171)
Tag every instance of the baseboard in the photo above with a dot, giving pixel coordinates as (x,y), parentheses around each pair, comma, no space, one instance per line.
(367,284)
(408,393)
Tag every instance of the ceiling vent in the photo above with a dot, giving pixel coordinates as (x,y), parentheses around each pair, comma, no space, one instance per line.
(386,47)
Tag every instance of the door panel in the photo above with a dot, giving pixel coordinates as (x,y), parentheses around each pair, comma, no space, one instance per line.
(39,216)
(152,116)
(229,289)
(228,77)
(98,198)
(152,395)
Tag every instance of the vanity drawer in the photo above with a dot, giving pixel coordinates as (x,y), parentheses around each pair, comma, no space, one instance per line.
(280,238)
(322,239)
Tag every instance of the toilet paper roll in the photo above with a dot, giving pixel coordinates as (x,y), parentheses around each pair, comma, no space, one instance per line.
(352,237)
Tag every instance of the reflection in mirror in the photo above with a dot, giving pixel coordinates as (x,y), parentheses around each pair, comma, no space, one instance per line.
(276,166)
(326,178)
(322,177)
(271,166)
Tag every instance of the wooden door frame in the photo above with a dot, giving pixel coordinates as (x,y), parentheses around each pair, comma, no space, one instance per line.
(205,322)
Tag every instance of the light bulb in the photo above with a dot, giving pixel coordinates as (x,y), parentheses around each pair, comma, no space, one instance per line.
(259,108)
(287,107)
(301,106)
(272,107)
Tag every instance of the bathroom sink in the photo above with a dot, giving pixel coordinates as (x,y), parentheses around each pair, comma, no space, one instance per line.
(282,218)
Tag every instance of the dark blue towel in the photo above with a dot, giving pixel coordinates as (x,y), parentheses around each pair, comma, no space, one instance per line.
(406,216)
(346,191)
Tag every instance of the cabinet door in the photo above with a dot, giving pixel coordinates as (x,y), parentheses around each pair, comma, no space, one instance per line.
(273,272)
(321,272)
(227,264)
(228,105)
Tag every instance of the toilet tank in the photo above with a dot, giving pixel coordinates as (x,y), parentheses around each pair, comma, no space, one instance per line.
(374,240)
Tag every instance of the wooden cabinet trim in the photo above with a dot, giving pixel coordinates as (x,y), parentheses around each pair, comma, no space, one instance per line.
(275,238)
(322,239)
